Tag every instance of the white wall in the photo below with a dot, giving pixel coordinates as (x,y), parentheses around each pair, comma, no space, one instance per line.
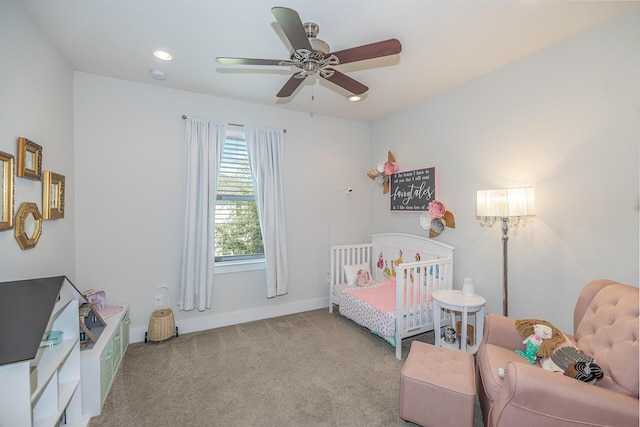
(130,179)
(36,103)
(565,121)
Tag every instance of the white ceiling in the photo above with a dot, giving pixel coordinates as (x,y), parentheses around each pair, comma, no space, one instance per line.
(445,43)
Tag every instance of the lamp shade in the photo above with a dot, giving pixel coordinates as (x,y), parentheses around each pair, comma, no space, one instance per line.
(505,203)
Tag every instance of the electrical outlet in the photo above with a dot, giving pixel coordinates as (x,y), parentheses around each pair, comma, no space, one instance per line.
(158,300)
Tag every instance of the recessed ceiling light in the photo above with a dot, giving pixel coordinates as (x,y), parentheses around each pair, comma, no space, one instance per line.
(161,54)
(354,98)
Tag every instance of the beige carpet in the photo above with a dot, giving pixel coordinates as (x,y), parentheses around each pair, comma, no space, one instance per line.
(306,369)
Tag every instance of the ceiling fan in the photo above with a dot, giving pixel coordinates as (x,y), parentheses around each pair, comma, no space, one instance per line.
(313,56)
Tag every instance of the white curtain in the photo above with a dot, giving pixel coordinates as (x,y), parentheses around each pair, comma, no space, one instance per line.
(265,149)
(204,143)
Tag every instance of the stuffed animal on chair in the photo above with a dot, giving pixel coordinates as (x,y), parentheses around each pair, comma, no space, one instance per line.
(549,338)
(540,338)
(574,363)
(534,341)
(556,351)
(588,372)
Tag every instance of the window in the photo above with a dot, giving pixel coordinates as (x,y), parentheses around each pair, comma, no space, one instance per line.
(237,226)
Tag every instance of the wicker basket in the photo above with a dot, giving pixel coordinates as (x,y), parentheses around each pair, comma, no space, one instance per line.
(162,325)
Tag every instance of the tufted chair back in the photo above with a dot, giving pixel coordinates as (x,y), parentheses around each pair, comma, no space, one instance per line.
(606,328)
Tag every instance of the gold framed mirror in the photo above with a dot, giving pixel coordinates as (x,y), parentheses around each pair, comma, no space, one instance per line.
(53,195)
(28,225)
(29,159)
(6,191)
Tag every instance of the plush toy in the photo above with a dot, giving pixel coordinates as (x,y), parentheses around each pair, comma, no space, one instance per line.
(556,351)
(534,341)
(588,372)
(537,347)
(363,278)
(526,328)
(574,363)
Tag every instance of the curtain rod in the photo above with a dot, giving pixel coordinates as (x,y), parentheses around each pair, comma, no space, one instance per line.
(184,117)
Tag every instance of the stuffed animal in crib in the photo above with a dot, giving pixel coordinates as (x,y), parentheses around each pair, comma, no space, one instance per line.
(363,278)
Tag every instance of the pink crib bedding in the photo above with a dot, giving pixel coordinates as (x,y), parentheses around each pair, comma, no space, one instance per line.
(372,307)
(381,297)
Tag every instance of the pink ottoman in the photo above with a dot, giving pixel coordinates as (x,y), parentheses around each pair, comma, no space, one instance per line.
(437,387)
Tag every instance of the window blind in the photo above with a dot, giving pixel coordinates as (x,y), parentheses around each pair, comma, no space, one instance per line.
(236,212)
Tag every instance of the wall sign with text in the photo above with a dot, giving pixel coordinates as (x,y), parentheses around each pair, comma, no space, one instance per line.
(413,190)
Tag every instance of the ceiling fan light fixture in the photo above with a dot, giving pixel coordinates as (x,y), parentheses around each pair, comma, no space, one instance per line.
(163,55)
(310,67)
(354,98)
(319,46)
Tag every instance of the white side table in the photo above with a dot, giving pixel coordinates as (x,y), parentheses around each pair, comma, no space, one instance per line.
(456,302)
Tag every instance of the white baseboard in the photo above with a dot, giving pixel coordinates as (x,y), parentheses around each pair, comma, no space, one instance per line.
(234,318)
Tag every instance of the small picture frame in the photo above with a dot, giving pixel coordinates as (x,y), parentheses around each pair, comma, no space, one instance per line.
(28,225)
(470,333)
(29,159)
(52,195)
(6,191)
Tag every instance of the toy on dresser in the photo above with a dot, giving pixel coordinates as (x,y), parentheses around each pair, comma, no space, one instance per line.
(93,314)
(90,318)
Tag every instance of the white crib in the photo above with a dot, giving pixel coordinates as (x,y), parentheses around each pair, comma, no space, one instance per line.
(430,269)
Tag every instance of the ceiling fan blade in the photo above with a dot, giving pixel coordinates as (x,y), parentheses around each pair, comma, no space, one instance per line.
(290,86)
(347,82)
(292,26)
(369,51)
(251,61)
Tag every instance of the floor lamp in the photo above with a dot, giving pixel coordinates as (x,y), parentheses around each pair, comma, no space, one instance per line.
(510,206)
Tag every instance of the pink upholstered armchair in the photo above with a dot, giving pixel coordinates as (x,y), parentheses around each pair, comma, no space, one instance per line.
(605,328)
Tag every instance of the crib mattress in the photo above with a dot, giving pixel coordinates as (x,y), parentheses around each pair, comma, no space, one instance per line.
(366,314)
(379,321)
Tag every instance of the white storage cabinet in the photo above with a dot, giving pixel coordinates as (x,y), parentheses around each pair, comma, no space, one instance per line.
(55,398)
(100,363)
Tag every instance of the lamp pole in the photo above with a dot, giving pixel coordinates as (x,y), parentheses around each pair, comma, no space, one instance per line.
(505,273)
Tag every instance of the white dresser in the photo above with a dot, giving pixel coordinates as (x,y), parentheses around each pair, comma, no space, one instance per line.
(100,362)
